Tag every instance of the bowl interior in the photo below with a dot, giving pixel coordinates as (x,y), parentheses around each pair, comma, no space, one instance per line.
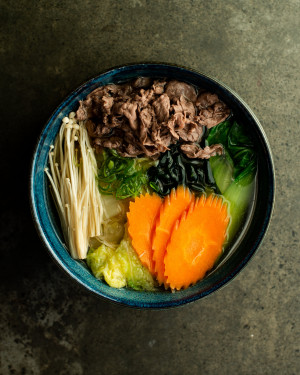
(48,225)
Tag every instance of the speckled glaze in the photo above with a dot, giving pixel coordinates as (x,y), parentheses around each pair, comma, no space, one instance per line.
(47,224)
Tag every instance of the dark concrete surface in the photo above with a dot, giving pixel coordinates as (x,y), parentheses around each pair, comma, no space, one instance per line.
(48,324)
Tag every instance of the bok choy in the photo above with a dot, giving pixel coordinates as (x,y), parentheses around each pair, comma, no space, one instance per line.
(235,170)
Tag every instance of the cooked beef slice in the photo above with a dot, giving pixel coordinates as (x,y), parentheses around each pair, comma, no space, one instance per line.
(146,116)
(196,152)
(162,107)
(142,82)
(176,89)
(211,109)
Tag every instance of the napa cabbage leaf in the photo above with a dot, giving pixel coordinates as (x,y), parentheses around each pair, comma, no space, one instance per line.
(120,267)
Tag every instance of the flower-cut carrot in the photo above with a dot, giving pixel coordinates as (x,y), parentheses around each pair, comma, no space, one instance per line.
(141,219)
(196,242)
(172,208)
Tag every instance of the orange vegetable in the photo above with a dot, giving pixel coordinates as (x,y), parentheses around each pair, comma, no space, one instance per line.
(170,211)
(196,242)
(141,219)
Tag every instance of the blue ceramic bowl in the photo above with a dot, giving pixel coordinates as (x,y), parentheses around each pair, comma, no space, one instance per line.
(49,228)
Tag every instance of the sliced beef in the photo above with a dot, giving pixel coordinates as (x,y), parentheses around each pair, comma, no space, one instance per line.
(180,120)
(131,151)
(112,142)
(212,110)
(92,129)
(159,87)
(81,113)
(144,97)
(162,107)
(128,110)
(171,124)
(95,131)
(206,99)
(212,116)
(103,90)
(146,116)
(176,89)
(107,103)
(194,151)
(184,106)
(142,82)
(192,132)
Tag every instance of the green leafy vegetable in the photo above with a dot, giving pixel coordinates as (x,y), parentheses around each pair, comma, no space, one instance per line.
(235,170)
(97,259)
(175,169)
(239,194)
(137,276)
(122,177)
(237,144)
(223,168)
(120,267)
(219,133)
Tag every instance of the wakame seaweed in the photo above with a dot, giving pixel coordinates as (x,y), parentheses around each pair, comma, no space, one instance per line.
(174,169)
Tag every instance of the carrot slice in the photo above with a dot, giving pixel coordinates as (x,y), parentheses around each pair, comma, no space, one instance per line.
(141,219)
(170,211)
(196,242)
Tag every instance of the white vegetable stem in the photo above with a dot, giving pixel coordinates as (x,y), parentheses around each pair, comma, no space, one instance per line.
(72,176)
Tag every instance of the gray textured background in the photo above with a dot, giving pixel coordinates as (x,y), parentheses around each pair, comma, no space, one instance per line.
(49,325)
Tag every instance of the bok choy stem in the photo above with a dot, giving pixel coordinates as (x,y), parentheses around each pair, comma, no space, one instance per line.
(239,194)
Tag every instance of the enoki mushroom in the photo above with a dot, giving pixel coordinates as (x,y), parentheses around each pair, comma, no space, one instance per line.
(72,174)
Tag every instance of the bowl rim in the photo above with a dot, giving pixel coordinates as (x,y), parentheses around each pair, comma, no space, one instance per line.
(200,295)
